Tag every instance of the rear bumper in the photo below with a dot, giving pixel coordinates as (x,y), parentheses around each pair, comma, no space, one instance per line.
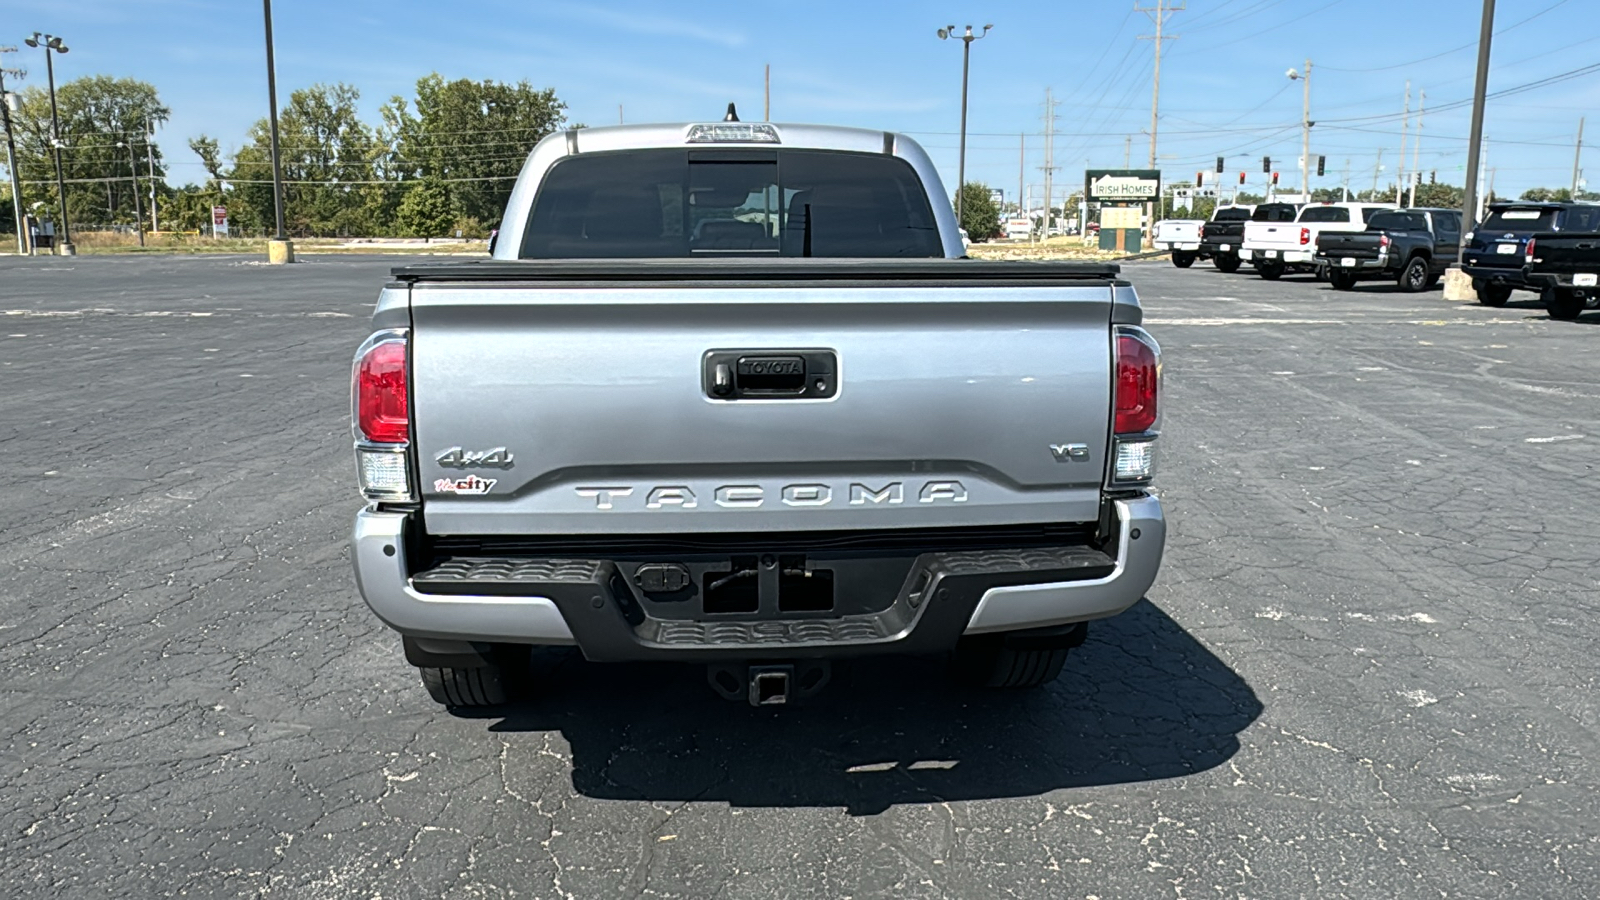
(1216,248)
(1185,246)
(1287,257)
(1356,263)
(944,596)
(1496,275)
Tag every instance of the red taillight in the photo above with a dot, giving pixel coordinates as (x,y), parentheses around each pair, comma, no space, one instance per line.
(1530,251)
(1305,236)
(1383,241)
(381,407)
(1138,381)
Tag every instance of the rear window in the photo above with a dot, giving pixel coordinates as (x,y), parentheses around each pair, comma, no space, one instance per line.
(1384,220)
(1232,214)
(1274,212)
(1514,219)
(1325,214)
(681,203)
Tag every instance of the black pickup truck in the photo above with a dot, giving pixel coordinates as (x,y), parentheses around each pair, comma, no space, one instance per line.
(1412,246)
(1496,250)
(1564,267)
(1221,236)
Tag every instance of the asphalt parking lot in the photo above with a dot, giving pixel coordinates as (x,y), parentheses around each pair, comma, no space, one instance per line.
(1367,669)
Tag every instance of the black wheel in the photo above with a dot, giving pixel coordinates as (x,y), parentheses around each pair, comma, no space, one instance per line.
(1024,660)
(1182,259)
(1492,294)
(1564,305)
(1226,263)
(488,685)
(1342,279)
(1414,277)
(1322,273)
(1271,271)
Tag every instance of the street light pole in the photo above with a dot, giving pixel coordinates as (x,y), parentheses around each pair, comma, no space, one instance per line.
(50,42)
(1469,204)
(138,209)
(1305,129)
(946,33)
(279,249)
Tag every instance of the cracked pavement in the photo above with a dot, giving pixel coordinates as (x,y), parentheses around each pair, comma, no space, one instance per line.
(1366,669)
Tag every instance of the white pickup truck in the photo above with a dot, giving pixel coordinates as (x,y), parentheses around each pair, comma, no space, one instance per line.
(1276,247)
(1180,237)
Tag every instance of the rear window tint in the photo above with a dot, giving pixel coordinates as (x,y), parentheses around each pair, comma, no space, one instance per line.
(680,203)
(1520,220)
(1274,212)
(1397,221)
(1232,214)
(1325,214)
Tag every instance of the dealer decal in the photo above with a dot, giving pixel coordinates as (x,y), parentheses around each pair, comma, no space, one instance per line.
(471,484)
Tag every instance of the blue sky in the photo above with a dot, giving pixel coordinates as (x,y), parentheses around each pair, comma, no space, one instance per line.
(881,65)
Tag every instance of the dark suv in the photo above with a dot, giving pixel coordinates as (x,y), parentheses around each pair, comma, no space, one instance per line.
(1496,248)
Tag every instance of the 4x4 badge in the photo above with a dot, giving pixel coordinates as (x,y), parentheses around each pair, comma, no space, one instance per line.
(457,458)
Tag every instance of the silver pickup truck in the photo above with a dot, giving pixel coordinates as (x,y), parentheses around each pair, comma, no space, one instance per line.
(727,393)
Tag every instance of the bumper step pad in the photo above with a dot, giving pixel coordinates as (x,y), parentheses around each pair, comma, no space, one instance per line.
(929,613)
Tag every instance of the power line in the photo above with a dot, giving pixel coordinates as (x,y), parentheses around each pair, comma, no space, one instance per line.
(1452,50)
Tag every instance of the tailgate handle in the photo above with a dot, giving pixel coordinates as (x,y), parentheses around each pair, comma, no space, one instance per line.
(770,374)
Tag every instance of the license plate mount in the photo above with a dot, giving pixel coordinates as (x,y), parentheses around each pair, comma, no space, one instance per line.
(1585,279)
(1347,262)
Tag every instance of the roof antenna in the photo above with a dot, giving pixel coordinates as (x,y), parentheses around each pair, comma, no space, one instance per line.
(732,116)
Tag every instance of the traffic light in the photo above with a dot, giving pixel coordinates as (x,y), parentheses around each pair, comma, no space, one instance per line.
(1266,164)
(1274,179)
(1322,162)
(1241,178)
(1219,165)
(1199,179)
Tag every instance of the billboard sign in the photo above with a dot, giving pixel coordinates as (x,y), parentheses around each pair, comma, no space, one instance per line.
(219,220)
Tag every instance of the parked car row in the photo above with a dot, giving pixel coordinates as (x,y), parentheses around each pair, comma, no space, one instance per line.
(1552,249)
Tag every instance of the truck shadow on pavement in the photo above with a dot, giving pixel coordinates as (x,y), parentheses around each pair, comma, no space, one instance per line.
(1141,700)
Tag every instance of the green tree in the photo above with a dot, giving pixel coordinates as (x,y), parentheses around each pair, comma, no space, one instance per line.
(979,216)
(1545,195)
(1441,196)
(328,157)
(426,210)
(474,135)
(96,113)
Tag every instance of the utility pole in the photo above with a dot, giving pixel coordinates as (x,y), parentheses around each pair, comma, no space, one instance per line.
(150,166)
(1159,14)
(1377,168)
(1127,151)
(279,249)
(619,114)
(1416,147)
(1346,185)
(1049,167)
(1577,157)
(1469,205)
(1405,128)
(766,93)
(1022,170)
(11,151)
(133,173)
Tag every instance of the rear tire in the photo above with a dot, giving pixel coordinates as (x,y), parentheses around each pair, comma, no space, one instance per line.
(498,682)
(1010,662)
(1182,259)
(1227,263)
(1414,277)
(1494,295)
(1341,279)
(1271,271)
(1564,305)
